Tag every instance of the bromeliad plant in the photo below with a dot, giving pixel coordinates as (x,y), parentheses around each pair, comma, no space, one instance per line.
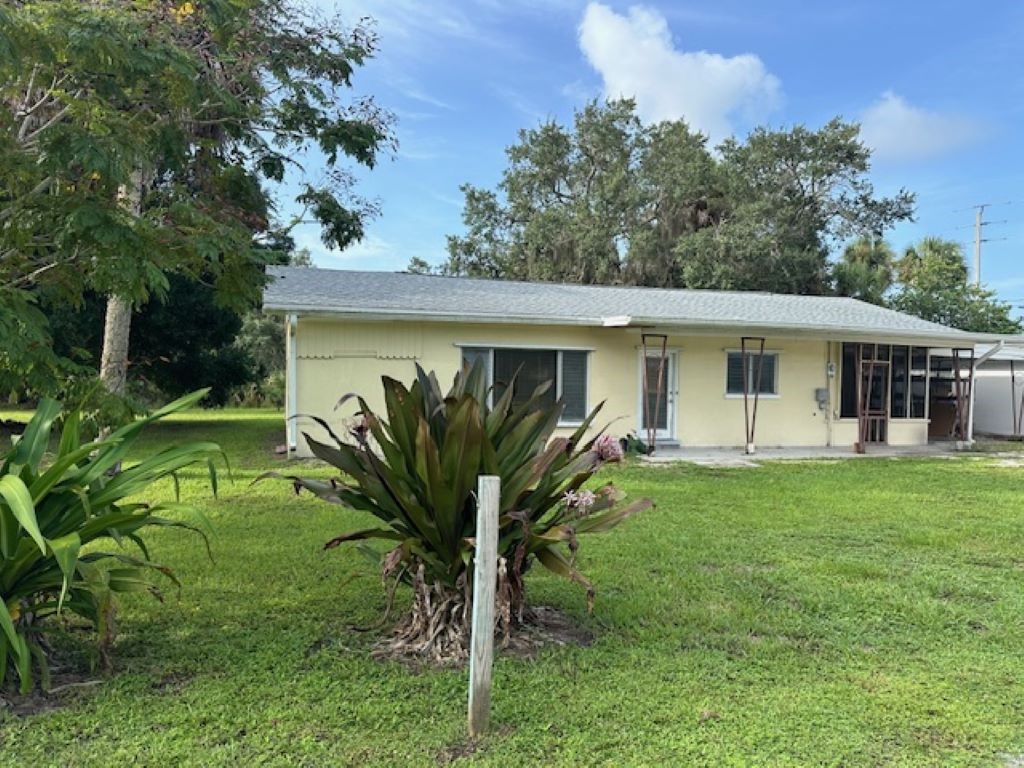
(53,506)
(417,472)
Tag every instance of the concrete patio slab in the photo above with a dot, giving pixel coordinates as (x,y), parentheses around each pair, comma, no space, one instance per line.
(735,457)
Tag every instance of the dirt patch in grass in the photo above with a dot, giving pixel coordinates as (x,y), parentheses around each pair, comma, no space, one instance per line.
(63,689)
(547,627)
(469,747)
(458,751)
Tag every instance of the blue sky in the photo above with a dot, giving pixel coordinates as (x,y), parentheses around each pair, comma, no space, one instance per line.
(938,87)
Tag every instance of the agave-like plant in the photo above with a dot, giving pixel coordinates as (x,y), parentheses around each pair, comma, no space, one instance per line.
(54,505)
(417,472)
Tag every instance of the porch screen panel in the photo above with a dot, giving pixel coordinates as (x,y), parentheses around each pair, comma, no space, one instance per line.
(918,382)
(898,395)
(848,384)
(654,402)
(574,386)
(534,367)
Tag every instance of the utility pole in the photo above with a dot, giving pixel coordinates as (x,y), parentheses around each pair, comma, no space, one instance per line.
(979,230)
(979,223)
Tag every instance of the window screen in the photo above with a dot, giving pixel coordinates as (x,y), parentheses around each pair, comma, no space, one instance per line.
(574,386)
(529,368)
(734,373)
(472,355)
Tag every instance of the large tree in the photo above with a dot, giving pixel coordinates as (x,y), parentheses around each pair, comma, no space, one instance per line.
(615,201)
(793,197)
(601,203)
(141,138)
(932,283)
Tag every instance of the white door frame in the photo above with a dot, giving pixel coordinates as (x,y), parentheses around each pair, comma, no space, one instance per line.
(671,389)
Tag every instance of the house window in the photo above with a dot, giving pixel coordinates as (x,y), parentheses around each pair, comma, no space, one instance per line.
(565,369)
(768,384)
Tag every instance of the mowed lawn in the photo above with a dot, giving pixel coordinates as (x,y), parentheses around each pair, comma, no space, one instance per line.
(865,612)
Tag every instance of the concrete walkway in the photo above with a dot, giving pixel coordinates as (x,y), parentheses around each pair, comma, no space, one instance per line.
(735,457)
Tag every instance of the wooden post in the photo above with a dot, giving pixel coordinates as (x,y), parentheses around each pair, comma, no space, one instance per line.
(485,577)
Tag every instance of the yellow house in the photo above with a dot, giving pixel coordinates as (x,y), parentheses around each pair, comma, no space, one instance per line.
(682,367)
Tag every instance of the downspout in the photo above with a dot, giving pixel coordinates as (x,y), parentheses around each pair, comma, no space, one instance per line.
(974,385)
(291,384)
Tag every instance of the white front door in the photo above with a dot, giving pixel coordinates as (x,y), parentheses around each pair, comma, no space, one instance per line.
(661,401)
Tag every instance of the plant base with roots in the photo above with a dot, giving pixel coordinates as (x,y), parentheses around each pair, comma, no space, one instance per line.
(438,626)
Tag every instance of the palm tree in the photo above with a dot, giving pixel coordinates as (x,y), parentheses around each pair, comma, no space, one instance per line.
(865,271)
(946,256)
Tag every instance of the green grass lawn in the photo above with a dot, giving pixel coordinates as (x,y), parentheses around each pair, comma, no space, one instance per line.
(866,612)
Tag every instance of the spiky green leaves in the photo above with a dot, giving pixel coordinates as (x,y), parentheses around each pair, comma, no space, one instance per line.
(53,505)
(416,471)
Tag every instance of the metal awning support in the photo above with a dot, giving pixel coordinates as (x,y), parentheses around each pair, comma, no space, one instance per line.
(750,416)
(963,392)
(991,352)
(1016,411)
(1018,428)
(291,424)
(661,344)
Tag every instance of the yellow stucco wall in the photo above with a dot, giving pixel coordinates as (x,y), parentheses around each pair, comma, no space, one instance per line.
(337,357)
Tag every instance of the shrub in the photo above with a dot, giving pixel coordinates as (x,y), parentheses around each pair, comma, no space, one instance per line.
(267,393)
(53,507)
(417,472)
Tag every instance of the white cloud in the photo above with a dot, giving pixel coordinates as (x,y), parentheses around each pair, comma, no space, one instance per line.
(636,57)
(899,131)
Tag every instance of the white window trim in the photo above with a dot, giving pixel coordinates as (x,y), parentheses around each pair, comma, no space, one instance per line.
(776,395)
(542,347)
(558,371)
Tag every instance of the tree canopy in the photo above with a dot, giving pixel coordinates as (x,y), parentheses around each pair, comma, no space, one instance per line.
(933,284)
(612,200)
(194,111)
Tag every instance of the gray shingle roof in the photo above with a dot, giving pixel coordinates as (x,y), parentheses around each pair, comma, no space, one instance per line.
(430,297)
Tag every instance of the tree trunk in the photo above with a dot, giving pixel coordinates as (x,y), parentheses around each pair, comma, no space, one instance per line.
(118,324)
(116,330)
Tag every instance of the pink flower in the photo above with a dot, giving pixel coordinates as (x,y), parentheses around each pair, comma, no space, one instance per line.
(581,501)
(608,448)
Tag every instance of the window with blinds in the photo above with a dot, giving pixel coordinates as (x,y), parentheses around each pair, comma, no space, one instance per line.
(527,369)
(768,384)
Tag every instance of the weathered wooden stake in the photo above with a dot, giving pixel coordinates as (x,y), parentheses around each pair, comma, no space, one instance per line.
(485,577)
